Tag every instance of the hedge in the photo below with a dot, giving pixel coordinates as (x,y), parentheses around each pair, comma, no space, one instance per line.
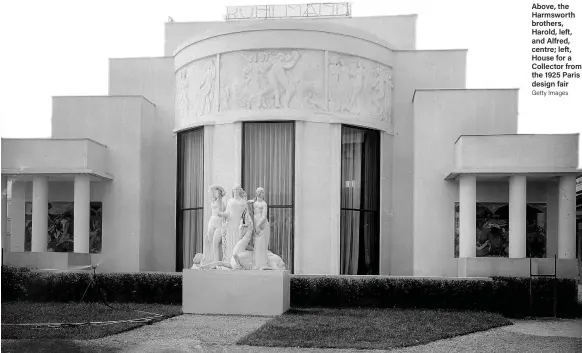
(506,295)
(24,284)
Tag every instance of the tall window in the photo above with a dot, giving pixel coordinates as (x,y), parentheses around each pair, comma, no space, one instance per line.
(360,202)
(269,162)
(190,197)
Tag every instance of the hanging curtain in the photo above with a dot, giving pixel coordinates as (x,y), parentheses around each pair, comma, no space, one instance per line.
(268,162)
(360,192)
(191,196)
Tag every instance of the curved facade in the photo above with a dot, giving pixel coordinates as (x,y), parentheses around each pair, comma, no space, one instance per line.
(316,78)
(236,76)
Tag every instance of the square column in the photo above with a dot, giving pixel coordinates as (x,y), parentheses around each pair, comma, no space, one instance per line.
(82,213)
(39,214)
(517,216)
(17,216)
(4,220)
(567,217)
(467,216)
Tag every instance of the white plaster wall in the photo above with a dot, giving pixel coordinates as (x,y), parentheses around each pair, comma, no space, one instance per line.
(399,31)
(147,197)
(49,154)
(413,70)
(439,118)
(517,152)
(115,122)
(317,198)
(154,79)
(386,201)
(280,39)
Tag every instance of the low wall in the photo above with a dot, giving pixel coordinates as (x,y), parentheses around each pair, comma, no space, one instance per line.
(46,260)
(507,267)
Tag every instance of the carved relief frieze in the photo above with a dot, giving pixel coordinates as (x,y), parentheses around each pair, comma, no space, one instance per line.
(359,86)
(272,79)
(195,89)
(295,79)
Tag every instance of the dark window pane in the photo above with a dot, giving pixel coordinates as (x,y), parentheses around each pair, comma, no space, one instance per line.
(360,202)
(190,197)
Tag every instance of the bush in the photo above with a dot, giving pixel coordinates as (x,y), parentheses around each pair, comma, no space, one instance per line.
(23,284)
(14,282)
(509,296)
(513,295)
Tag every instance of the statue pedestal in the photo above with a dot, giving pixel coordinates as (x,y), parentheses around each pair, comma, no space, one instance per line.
(263,293)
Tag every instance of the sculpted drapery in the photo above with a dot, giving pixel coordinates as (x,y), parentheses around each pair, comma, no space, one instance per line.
(230,230)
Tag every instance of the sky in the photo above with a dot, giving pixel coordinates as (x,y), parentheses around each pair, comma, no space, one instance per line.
(62,47)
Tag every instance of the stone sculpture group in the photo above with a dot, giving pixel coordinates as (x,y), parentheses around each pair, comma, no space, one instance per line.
(231,227)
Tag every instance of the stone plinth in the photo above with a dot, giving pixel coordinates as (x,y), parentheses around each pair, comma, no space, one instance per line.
(264,293)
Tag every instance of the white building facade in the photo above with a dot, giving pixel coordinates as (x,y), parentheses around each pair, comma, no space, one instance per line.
(374,156)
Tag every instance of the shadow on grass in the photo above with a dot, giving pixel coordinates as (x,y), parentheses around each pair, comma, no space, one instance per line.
(368,328)
(29,312)
(61,346)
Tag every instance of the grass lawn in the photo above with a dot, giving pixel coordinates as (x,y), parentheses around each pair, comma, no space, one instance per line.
(368,328)
(29,312)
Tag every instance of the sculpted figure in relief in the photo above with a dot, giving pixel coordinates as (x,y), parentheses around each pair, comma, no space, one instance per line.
(357,73)
(344,86)
(359,86)
(334,68)
(207,88)
(252,74)
(278,77)
(182,91)
(382,92)
(388,96)
(342,92)
(269,81)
